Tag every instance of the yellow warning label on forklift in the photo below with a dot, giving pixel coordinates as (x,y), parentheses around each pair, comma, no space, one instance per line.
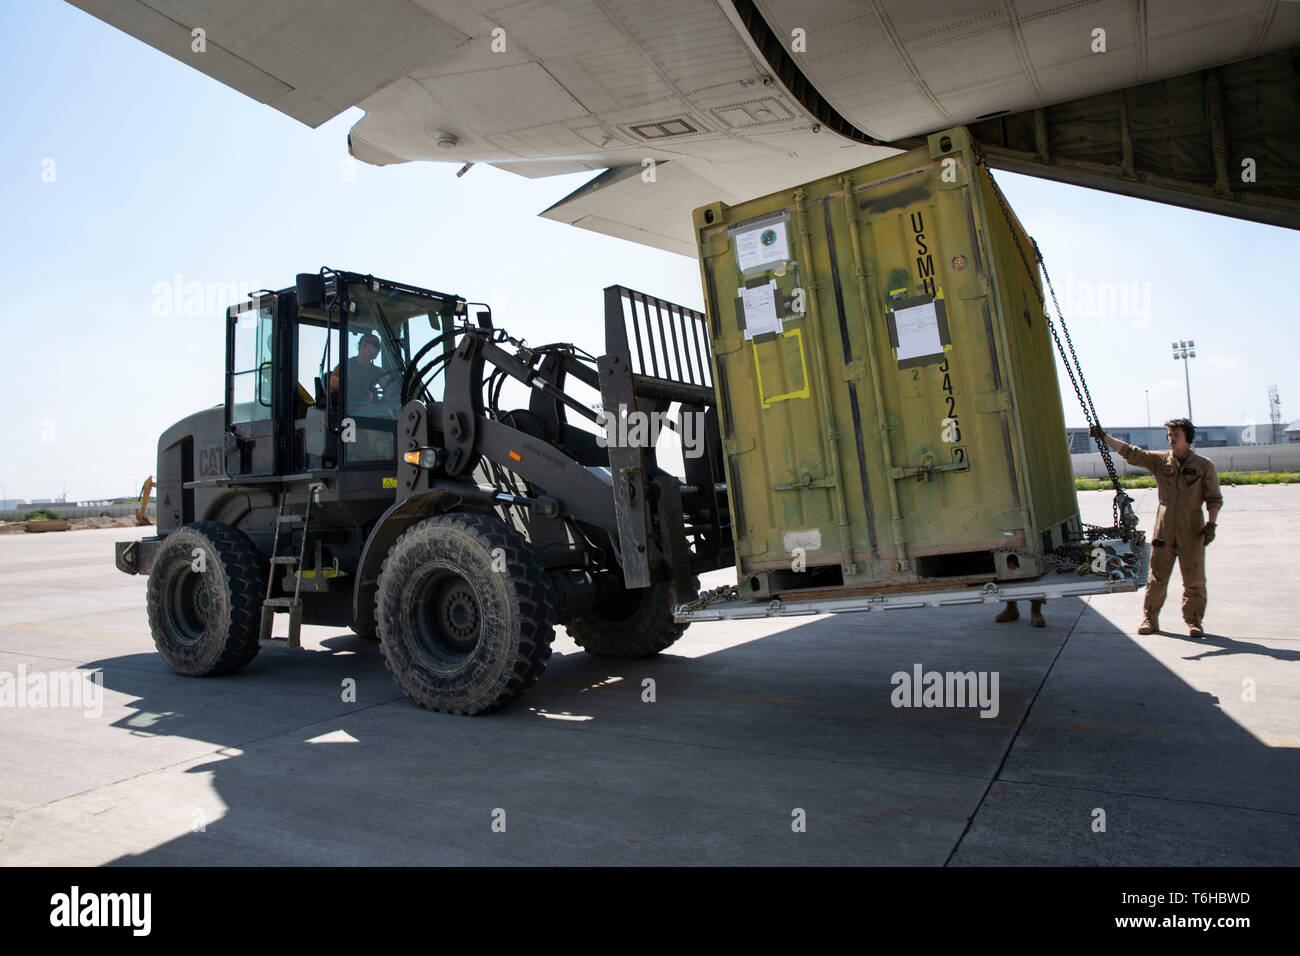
(390,482)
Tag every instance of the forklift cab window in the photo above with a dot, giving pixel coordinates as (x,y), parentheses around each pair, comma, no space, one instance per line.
(251,366)
(315,360)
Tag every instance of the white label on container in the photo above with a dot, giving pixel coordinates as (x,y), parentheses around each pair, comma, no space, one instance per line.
(918,332)
(808,540)
(760,310)
(762,246)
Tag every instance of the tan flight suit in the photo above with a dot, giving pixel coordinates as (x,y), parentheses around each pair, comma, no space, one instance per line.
(1183,486)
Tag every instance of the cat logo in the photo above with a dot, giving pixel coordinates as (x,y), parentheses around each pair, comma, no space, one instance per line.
(211,462)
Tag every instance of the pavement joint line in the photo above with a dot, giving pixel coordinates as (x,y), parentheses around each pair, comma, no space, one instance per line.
(59,630)
(1014,737)
(215,751)
(63,660)
(1148,796)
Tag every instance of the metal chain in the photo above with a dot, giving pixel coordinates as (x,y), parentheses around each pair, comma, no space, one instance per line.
(728,592)
(1122,500)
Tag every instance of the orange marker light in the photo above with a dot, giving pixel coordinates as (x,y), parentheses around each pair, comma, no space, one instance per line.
(412,457)
(516,456)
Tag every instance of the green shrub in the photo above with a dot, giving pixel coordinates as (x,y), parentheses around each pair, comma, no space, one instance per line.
(41,514)
(1225,478)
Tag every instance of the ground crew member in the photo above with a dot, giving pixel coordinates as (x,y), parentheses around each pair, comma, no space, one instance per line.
(1012,613)
(1184,481)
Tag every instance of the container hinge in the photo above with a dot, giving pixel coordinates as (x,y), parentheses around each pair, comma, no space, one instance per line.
(954,175)
(925,469)
(989,402)
(855,371)
(716,246)
(976,287)
(1011,521)
(806,483)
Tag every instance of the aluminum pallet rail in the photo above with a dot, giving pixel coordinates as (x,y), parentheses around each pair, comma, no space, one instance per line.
(1060,584)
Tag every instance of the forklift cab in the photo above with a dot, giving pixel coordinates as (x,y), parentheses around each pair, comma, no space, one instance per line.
(315,373)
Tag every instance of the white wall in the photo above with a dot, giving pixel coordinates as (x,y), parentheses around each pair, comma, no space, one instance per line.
(1227,458)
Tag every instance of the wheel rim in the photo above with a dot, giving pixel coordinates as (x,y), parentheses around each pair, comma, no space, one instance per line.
(188,605)
(447,619)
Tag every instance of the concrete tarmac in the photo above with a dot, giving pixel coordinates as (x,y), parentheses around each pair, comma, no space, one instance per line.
(767,742)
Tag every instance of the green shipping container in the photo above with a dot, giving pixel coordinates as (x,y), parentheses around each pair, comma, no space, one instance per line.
(888,393)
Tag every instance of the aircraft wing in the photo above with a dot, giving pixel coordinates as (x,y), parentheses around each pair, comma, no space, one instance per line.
(1165,99)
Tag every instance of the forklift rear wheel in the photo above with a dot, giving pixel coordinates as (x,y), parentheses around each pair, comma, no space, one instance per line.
(204,599)
(629,623)
(466,613)
(369,632)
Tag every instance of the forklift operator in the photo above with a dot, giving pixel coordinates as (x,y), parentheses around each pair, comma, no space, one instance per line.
(364,378)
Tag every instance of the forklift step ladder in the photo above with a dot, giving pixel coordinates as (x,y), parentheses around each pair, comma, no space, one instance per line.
(271,606)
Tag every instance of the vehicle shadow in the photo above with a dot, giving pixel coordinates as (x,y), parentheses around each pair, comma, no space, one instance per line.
(745,743)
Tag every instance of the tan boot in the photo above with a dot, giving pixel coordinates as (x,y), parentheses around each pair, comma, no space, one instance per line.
(1195,630)
(1010,613)
(1036,614)
(1150,624)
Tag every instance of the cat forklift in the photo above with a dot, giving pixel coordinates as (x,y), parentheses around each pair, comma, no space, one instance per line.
(362,473)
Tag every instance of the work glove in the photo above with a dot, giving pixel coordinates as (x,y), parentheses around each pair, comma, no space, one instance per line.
(1208,532)
(1096,432)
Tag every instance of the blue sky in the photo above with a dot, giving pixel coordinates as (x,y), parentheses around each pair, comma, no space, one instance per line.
(159,172)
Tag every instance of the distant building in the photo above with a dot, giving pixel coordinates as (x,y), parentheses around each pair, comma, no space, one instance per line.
(1207,436)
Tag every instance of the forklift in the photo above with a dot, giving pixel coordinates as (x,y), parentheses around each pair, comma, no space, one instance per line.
(362,473)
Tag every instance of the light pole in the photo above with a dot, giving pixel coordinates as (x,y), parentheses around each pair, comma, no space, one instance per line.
(1184,351)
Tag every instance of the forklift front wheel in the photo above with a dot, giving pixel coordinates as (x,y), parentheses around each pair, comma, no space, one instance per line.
(466,614)
(204,599)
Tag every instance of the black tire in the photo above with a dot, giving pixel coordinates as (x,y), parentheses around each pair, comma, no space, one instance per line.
(629,624)
(206,623)
(370,633)
(457,635)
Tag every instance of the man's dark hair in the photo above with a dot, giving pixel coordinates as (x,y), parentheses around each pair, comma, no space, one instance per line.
(1186,425)
(369,339)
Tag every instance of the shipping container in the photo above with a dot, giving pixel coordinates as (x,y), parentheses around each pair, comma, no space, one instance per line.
(890,409)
